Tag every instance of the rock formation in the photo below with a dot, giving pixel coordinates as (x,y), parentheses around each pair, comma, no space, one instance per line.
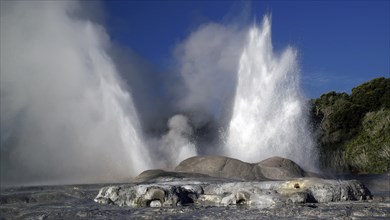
(274,168)
(217,180)
(259,193)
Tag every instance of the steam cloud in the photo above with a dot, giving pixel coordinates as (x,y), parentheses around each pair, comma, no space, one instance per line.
(208,62)
(67,115)
(176,145)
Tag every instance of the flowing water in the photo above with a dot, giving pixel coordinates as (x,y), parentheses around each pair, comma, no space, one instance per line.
(268,114)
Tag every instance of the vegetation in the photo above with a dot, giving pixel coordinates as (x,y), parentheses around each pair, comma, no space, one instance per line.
(369,150)
(353,131)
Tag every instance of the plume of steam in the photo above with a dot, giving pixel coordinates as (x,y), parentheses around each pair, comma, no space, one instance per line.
(208,62)
(149,88)
(65,117)
(175,146)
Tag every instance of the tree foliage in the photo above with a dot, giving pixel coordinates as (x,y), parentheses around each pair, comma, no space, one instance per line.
(342,124)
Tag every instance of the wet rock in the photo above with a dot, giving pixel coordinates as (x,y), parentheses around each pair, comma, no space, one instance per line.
(275,204)
(299,197)
(259,193)
(155,203)
(144,195)
(209,199)
(333,191)
(82,214)
(323,190)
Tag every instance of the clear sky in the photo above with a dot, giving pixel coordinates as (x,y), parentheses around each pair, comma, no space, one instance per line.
(341,43)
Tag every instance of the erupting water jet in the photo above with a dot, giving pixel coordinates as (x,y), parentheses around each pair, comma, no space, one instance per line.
(269,116)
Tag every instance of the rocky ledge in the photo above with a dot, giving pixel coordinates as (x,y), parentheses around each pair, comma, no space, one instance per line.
(222,181)
(265,193)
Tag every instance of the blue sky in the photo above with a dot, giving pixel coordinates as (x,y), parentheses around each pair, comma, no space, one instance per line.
(341,43)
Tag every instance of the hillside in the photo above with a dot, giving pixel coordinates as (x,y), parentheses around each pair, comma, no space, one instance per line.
(353,130)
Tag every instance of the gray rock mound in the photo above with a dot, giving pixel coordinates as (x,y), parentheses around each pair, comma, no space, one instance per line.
(278,168)
(274,168)
(219,166)
(158,175)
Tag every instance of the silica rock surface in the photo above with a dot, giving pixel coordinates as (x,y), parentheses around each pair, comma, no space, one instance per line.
(263,193)
(159,194)
(223,181)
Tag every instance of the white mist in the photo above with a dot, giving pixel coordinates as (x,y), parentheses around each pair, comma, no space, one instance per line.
(65,117)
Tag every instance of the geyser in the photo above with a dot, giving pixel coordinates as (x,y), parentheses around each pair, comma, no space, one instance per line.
(269,117)
(65,117)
